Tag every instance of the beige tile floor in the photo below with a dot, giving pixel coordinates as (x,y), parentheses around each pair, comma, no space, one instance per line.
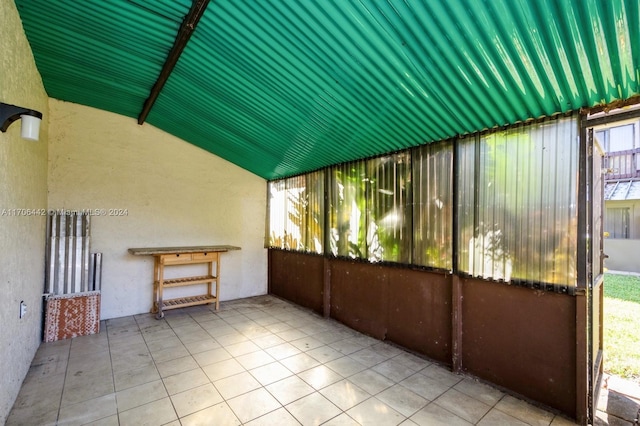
(257,361)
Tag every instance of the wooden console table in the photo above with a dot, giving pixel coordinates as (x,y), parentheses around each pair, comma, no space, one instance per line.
(170,256)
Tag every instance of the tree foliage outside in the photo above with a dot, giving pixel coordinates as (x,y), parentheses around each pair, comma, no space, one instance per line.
(370,217)
(516,206)
(296,213)
(518,203)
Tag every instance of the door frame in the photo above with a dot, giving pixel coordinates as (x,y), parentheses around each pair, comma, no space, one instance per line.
(590,266)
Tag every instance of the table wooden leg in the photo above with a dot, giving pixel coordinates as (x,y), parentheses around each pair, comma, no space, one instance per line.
(217,281)
(160,267)
(154,296)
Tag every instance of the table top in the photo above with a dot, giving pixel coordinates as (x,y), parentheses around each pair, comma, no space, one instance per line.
(156,251)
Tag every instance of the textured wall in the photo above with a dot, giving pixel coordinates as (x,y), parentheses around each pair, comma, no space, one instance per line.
(622,255)
(167,192)
(621,252)
(634,216)
(23,185)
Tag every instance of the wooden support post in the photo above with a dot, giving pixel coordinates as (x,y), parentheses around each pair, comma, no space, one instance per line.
(582,361)
(326,295)
(456,323)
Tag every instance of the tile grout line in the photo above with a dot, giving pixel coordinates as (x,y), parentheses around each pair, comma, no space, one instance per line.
(64,382)
(261,385)
(156,367)
(491,408)
(248,371)
(305,334)
(113,374)
(321,363)
(315,391)
(200,367)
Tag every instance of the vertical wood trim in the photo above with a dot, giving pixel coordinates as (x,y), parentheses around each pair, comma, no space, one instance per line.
(456,283)
(583,286)
(582,373)
(583,210)
(456,323)
(326,295)
(269,269)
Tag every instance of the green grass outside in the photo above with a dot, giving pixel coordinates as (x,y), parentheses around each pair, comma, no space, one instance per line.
(622,326)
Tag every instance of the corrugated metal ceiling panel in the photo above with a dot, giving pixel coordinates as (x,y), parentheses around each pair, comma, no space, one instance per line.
(283,87)
(103,54)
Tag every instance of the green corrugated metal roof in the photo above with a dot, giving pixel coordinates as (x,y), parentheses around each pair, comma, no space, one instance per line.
(282,87)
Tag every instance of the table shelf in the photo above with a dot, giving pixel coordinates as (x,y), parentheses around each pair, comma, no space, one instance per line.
(179,282)
(177,256)
(181,302)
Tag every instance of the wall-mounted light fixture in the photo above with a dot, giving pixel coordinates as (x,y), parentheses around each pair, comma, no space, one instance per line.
(30,120)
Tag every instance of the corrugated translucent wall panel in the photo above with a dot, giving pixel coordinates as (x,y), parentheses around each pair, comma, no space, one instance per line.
(277,213)
(370,209)
(433,205)
(389,213)
(517,203)
(315,212)
(296,213)
(347,217)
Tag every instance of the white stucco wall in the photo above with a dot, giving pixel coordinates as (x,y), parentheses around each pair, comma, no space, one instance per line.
(623,255)
(174,194)
(23,185)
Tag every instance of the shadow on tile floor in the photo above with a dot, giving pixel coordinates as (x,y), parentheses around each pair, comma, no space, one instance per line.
(619,403)
(262,361)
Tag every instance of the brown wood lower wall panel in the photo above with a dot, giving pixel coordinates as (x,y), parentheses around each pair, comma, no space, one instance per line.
(407,307)
(420,312)
(522,339)
(297,277)
(359,296)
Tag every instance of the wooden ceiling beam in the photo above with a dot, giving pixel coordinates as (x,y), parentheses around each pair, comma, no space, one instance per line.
(184,34)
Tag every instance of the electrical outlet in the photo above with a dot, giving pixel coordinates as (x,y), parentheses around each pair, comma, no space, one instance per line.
(23,309)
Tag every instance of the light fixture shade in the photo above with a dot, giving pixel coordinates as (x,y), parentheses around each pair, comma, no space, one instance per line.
(30,127)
